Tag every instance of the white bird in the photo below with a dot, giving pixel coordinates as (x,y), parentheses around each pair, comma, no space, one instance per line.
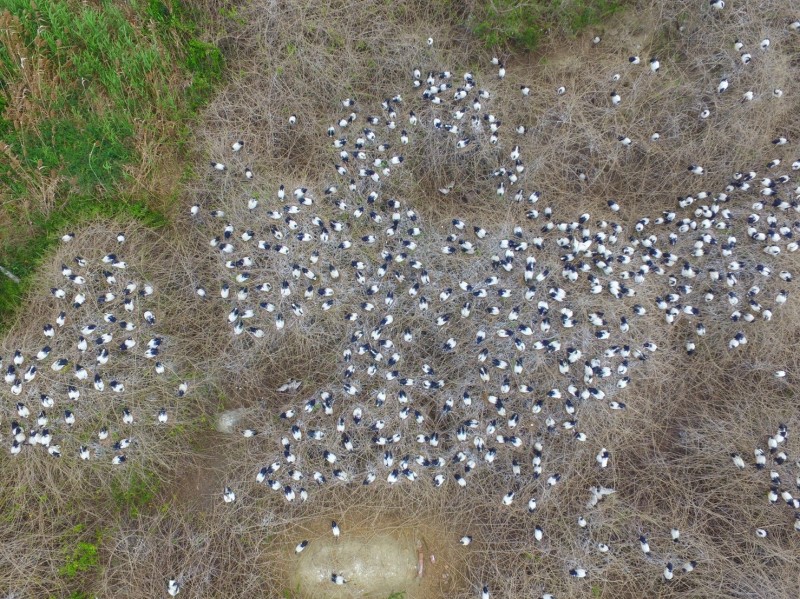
(668,571)
(644,545)
(577,573)
(738,461)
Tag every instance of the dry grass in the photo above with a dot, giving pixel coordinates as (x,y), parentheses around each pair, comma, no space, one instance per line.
(54,503)
(670,449)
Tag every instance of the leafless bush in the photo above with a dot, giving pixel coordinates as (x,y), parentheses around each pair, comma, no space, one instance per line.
(52,504)
(687,409)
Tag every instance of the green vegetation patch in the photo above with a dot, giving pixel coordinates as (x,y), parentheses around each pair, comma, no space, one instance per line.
(83,558)
(134,492)
(94,98)
(522,23)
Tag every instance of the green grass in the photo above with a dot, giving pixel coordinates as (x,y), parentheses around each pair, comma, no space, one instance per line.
(135,492)
(291,594)
(522,23)
(100,83)
(75,595)
(82,559)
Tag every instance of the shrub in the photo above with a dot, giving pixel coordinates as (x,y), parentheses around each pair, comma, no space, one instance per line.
(83,559)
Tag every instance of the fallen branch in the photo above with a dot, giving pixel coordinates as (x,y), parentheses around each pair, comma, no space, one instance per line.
(10,275)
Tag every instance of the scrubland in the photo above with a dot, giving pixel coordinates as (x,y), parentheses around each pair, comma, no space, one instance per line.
(73,528)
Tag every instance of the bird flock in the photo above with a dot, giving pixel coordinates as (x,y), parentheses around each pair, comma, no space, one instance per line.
(469,347)
(83,383)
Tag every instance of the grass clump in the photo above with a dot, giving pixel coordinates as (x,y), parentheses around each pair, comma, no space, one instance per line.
(84,558)
(81,561)
(94,102)
(133,493)
(523,23)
